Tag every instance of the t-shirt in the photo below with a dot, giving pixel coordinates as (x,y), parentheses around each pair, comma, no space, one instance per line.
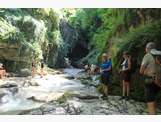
(106,65)
(150,66)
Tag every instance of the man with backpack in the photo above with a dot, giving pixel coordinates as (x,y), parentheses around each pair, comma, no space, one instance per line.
(151,70)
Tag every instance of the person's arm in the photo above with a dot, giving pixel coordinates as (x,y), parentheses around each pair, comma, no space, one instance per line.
(108,69)
(157,80)
(142,69)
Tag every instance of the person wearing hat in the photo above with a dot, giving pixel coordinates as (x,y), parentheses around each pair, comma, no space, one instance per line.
(2,71)
(106,67)
(149,69)
(87,69)
(42,68)
(125,75)
(33,69)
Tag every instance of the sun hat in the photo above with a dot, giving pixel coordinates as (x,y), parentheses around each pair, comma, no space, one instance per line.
(155,52)
(150,45)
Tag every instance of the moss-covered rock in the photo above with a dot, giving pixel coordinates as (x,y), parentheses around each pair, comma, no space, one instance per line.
(28,35)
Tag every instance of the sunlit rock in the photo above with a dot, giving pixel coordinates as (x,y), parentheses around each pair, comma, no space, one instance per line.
(8,84)
(25,72)
(48,97)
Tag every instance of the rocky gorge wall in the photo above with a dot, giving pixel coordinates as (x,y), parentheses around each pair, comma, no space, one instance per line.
(114,31)
(80,38)
(28,35)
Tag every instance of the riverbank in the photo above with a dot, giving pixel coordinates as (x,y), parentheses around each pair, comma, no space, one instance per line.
(62,92)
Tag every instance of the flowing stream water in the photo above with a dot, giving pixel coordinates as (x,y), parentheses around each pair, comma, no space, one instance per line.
(15,103)
(39,96)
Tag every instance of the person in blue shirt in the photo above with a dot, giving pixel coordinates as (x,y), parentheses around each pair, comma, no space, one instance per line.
(106,68)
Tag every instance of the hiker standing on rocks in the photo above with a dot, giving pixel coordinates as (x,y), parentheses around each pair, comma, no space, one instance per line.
(106,67)
(151,71)
(125,75)
(2,71)
(42,68)
(33,69)
(87,69)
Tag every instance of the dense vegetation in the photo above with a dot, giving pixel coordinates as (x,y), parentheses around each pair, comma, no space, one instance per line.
(117,30)
(35,31)
(80,35)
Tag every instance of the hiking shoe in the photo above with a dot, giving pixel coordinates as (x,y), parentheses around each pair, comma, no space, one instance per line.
(127,98)
(123,97)
(104,97)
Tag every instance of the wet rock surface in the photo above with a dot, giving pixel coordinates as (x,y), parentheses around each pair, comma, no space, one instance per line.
(7,84)
(76,106)
(68,93)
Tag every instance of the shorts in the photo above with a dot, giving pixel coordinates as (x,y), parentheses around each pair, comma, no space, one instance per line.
(105,78)
(126,76)
(151,91)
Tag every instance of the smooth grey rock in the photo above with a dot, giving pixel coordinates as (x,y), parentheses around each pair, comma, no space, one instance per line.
(25,72)
(8,84)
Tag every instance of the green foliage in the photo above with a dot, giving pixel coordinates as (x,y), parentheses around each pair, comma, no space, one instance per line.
(34,32)
(115,31)
(6,29)
(136,40)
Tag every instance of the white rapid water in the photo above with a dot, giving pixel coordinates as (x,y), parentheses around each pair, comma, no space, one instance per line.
(13,104)
(85,101)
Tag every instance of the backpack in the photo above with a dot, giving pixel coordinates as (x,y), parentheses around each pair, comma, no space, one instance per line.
(157,57)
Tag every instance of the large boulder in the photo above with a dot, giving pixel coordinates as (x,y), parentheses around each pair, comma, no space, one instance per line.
(45,97)
(25,72)
(8,84)
(8,87)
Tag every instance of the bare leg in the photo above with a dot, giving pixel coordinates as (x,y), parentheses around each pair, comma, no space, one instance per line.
(127,88)
(123,86)
(103,89)
(1,74)
(42,72)
(106,90)
(151,108)
(33,72)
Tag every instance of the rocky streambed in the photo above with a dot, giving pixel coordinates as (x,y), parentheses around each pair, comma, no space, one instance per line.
(69,92)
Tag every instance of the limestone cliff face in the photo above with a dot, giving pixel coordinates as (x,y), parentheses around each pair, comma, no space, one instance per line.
(27,35)
(7,50)
(117,30)
(76,46)
(21,38)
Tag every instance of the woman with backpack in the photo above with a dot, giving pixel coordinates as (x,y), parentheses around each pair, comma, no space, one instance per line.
(33,69)
(125,75)
(42,68)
